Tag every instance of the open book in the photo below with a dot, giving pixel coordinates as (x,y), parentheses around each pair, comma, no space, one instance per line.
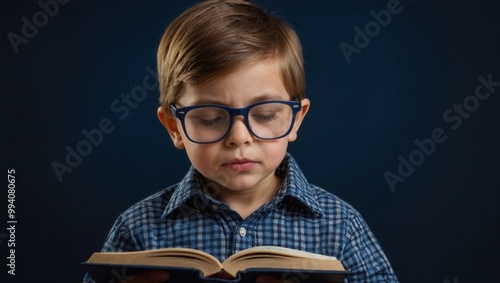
(189,265)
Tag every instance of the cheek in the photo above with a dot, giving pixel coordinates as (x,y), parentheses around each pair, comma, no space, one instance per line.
(202,157)
(275,152)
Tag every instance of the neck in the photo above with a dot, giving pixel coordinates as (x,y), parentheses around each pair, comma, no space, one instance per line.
(245,202)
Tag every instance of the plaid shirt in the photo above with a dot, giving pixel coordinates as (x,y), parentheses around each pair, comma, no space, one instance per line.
(301,216)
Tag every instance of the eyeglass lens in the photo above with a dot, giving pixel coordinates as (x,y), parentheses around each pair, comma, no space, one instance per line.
(266,121)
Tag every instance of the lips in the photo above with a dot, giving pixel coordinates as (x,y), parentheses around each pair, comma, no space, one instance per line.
(240,164)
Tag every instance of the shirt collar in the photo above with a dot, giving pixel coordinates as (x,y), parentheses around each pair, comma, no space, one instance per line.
(189,188)
(294,185)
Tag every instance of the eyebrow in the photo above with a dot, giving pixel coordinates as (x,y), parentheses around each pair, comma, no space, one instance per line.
(268,96)
(263,97)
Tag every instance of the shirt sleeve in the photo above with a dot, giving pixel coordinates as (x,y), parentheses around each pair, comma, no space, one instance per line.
(363,256)
(119,239)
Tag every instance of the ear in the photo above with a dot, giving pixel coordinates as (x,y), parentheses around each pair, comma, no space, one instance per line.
(299,117)
(170,123)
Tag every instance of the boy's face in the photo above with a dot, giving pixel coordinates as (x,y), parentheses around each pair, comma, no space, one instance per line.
(240,162)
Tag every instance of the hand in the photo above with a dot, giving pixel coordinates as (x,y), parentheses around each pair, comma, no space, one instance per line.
(270,279)
(150,276)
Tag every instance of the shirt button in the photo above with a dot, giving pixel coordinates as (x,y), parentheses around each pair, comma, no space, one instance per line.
(243,232)
(215,207)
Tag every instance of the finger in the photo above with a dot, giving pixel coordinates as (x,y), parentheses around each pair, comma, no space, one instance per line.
(159,276)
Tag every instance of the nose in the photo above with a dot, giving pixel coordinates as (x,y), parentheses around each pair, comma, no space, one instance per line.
(238,133)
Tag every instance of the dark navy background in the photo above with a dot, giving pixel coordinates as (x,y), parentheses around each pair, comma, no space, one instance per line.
(442,224)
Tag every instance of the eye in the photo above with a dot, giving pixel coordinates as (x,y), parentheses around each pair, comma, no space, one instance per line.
(267,113)
(207,121)
(264,116)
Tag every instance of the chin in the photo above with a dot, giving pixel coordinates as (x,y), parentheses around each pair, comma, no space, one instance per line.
(239,186)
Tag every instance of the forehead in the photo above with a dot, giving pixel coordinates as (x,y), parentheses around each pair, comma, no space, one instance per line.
(247,84)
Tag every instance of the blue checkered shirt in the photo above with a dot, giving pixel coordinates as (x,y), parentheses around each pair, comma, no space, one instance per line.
(301,216)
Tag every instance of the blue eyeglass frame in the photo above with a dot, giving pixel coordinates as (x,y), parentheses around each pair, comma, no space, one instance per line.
(180,113)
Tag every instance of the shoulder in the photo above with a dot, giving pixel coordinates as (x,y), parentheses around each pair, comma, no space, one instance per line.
(128,232)
(332,206)
(149,209)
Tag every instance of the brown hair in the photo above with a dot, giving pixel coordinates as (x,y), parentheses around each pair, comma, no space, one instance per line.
(214,37)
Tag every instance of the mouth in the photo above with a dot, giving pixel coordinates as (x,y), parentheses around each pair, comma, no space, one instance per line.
(240,164)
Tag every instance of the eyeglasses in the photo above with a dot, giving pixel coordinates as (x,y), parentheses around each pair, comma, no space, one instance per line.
(209,123)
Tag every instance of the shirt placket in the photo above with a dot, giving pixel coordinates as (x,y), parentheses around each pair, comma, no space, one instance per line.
(240,231)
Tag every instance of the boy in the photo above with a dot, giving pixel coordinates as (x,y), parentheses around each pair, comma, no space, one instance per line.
(232,94)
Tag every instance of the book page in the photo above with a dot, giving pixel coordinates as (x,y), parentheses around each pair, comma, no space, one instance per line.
(271,257)
(279,251)
(173,257)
